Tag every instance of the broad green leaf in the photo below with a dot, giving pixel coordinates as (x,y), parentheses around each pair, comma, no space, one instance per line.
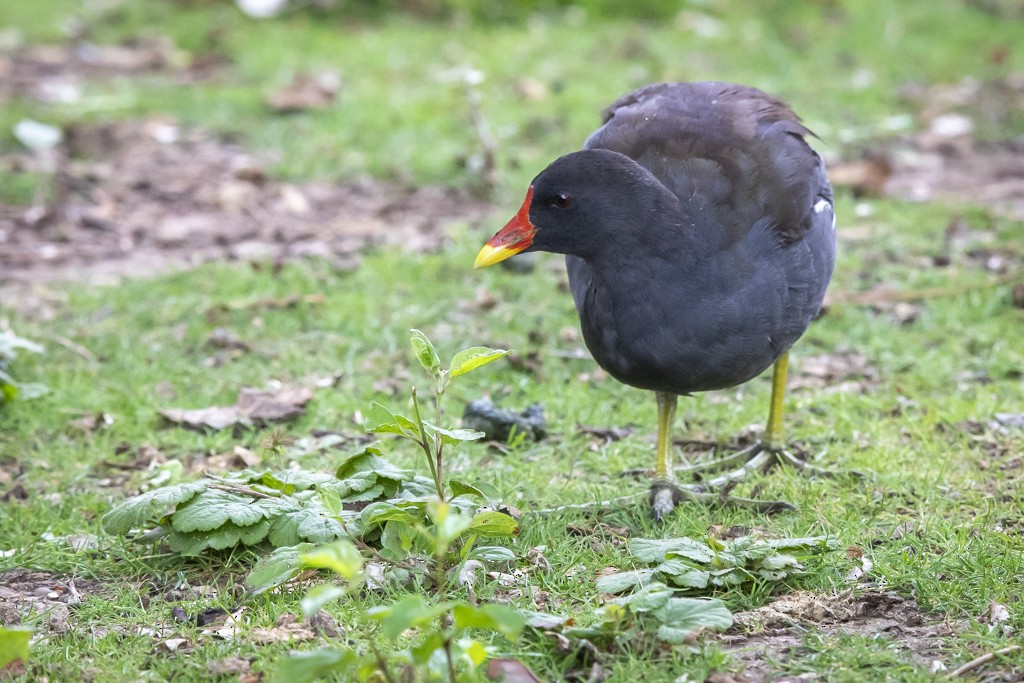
(622,581)
(228,535)
(453,437)
(212,509)
(649,598)
(385,511)
(487,493)
(655,550)
(494,523)
(542,620)
(318,596)
(681,617)
(141,509)
(424,351)
(367,467)
(505,620)
(780,562)
(396,541)
(341,557)
(193,544)
(693,578)
(307,667)
(380,419)
(14,644)
(308,523)
(409,612)
(812,544)
(492,553)
(470,359)
(424,650)
(277,568)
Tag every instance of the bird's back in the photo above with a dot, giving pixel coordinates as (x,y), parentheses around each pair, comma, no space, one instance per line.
(729,152)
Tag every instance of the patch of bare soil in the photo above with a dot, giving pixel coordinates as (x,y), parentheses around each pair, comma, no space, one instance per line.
(947,160)
(57,73)
(24,592)
(778,629)
(135,199)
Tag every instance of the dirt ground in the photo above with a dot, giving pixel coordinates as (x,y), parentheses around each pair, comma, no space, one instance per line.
(141,197)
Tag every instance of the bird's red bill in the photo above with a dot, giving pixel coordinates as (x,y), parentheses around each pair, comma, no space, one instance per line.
(516,236)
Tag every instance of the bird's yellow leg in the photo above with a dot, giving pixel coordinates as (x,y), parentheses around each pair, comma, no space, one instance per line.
(666,417)
(773,431)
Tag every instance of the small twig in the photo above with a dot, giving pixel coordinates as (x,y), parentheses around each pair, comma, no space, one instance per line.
(231,487)
(886,296)
(613,502)
(983,659)
(73,347)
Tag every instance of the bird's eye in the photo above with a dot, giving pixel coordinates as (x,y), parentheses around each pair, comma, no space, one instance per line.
(561,201)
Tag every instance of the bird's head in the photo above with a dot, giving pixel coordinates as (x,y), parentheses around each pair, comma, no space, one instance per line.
(581,202)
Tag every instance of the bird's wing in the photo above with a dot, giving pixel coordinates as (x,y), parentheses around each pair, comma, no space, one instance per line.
(735,156)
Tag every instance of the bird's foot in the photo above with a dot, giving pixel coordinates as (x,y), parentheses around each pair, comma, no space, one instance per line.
(666,495)
(761,458)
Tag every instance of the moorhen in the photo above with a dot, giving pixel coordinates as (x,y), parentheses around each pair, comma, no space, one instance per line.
(699,236)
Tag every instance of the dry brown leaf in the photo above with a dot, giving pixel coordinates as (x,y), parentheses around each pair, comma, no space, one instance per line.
(510,671)
(254,407)
(306,91)
(228,666)
(286,629)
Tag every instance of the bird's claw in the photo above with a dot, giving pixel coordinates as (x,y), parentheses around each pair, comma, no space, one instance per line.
(666,496)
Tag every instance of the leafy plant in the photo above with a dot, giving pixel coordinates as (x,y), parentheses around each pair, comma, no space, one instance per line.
(654,610)
(429,436)
(366,499)
(441,647)
(10,345)
(698,565)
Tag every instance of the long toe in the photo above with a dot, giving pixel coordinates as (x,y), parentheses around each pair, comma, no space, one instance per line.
(665,496)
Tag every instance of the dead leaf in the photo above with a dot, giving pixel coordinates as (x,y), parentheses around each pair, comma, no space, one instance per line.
(226,339)
(468,573)
(843,369)
(228,666)
(608,434)
(861,571)
(866,177)
(239,458)
(510,671)
(286,629)
(176,645)
(326,625)
(997,616)
(536,557)
(254,407)
(306,91)
(92,422)
(1017,295)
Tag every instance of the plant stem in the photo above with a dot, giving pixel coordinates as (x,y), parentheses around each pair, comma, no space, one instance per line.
(382,664)
(448,656)
(426,447)
(438,393)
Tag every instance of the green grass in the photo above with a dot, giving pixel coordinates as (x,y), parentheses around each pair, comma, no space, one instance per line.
(397,117)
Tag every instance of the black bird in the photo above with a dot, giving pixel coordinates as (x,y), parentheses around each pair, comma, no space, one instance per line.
(698,230)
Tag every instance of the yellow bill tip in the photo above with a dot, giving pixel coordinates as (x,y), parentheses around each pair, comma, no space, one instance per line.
(489,255)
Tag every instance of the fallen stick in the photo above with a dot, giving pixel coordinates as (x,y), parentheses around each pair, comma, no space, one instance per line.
(984,659)
(887,296)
